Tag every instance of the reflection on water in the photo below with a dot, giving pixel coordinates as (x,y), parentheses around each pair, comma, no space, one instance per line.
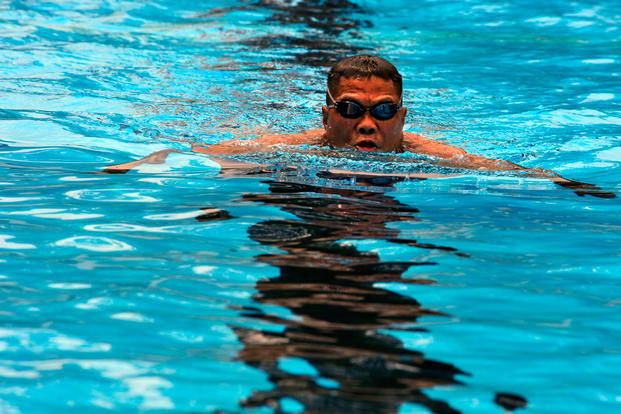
(325,19)
(317,25)
(339,312)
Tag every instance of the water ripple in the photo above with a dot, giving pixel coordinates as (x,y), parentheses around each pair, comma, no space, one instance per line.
(5,244)
(115,195)
(96,244)
(125,227)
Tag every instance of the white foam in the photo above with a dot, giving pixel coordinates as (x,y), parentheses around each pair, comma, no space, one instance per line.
(55,213)
(69,216)
(598,61)
(35,211)
(7,372)
(204,270)
(65,343)
(68,344)
(70,286)
(94,303)
(418,342)
(114,369)
(580,24)
(594,97)
(17,199)
(562,117)
(489,8)
(175,216)
(102,401)
(131,317)
(74,178)
(154,180)
(586,12)
(4,244)
(5,407)
(149,389)
(116,195)
(612,154)
(95,244)
(124,227)
(544,21)
(188,337)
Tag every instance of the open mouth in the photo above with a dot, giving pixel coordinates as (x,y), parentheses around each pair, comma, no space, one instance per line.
(366,145)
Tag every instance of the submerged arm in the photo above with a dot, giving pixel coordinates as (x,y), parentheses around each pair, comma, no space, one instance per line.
(227,166)
(262,144)
(455,157)
(157,157)
(448,155)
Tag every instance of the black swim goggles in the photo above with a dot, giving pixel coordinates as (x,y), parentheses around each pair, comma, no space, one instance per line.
(351,109)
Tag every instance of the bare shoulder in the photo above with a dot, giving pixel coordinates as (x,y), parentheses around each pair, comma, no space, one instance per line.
(263,143)
(421,145)
(310,137)
(454,156)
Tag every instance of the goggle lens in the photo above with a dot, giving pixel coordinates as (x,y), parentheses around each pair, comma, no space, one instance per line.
(351,109)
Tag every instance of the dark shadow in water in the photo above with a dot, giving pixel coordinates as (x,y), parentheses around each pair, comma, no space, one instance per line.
(338,311)
(319,23)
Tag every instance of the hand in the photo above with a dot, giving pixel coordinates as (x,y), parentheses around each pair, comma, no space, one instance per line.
(156,158)
(582,189)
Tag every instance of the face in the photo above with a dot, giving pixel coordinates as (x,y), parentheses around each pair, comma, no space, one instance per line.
(365,133)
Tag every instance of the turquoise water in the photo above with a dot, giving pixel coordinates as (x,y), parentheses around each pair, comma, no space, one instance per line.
(173,288)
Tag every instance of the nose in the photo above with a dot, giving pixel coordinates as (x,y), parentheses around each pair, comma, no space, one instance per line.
(367,125)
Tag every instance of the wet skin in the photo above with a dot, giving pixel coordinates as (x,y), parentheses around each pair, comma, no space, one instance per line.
(365,133)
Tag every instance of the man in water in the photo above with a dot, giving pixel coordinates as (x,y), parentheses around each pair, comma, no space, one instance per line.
(364,110)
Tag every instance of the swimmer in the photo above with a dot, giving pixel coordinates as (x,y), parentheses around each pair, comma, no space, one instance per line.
(364,110)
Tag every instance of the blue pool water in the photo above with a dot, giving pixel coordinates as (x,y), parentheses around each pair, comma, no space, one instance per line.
(173,288)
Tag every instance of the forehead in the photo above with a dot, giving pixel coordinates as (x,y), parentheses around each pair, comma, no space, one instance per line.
(373,86)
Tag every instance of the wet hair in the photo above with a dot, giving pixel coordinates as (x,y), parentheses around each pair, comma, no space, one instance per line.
(363,67)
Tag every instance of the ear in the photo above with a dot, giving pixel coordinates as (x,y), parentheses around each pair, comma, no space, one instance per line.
(325,113)
(404,112)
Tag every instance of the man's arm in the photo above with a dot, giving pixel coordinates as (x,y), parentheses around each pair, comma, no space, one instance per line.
(455,157)
(264,143)
(157,157)
(449,156)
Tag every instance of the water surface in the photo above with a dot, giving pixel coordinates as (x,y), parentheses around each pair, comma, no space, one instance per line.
(175,288)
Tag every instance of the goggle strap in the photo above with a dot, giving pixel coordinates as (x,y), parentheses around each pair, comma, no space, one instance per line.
(330,96)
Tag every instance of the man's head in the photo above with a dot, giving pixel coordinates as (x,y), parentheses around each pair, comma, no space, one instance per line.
(364,105)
